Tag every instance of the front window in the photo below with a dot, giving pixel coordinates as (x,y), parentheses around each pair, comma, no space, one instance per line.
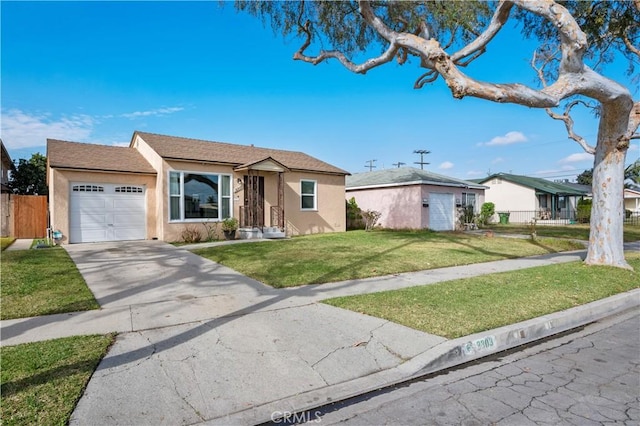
(199,196)
(469,200)
(308,195)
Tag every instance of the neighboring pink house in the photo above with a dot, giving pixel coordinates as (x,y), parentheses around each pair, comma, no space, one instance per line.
(410,198)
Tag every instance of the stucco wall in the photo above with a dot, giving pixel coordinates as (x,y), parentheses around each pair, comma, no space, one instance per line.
(401,206)
(59,195)
(509,196)
(331,215)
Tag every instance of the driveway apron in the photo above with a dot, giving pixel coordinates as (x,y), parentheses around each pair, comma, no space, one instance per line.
(211,342)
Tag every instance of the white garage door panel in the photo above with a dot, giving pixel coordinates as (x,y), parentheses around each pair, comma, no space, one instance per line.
(441,212)
(99,213)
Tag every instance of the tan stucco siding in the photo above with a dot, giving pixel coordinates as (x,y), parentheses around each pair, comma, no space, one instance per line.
(59,194)
(509,196)
(330,215)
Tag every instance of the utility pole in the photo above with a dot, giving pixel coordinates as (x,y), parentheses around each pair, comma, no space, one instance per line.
(370,164)
(422,153)
(398,164)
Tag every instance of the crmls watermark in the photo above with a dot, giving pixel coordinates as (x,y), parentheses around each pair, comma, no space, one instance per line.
(287,417)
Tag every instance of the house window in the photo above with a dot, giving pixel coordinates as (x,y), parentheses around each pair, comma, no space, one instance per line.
(469,199)
(308,195)
(562,202)
(199,196)
(542,201)
(137,189)
(87,188)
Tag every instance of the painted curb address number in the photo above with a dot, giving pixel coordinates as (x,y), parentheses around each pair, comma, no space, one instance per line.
(480,345)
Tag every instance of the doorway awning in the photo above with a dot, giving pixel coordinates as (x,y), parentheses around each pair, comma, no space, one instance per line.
(267,164)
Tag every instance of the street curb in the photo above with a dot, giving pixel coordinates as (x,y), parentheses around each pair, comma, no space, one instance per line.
(446,355)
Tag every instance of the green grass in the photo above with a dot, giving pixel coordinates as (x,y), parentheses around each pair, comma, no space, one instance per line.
(43,381)
(458,308)
(42,282)
(6,242)
(578,231)
(332,257)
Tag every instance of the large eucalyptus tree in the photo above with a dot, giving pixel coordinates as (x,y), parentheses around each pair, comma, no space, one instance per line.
(446,36)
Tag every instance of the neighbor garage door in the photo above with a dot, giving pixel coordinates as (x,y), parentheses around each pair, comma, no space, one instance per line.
(106,212)
(441,212)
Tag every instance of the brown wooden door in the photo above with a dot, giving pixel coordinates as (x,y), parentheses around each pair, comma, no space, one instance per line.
(254,200)
(29,216)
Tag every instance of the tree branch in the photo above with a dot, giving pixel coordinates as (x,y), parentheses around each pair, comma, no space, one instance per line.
(500,16)
(362,68)
(629,45)
(568,122)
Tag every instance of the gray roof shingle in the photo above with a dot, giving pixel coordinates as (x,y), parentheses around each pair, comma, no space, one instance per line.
(405,175)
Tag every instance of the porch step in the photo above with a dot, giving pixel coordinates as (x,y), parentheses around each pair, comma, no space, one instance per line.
(257,233)
(274,233)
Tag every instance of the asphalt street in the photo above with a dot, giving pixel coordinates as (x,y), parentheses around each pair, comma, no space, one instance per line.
(588,377)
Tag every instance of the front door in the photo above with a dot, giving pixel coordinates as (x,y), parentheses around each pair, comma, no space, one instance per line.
(254,200)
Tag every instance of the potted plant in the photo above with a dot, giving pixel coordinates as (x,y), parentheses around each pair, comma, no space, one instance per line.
(229,227)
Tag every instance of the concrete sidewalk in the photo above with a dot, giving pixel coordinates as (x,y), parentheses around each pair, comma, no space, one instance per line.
(201,343)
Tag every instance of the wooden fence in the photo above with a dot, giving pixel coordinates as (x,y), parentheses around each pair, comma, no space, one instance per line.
(29,216)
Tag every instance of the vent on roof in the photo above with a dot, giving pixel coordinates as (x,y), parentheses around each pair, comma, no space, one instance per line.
(87,188)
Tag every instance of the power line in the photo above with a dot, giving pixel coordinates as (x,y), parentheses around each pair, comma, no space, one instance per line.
(370,164)
(422,153)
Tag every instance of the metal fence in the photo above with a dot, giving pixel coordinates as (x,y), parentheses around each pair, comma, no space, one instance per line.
(546,217)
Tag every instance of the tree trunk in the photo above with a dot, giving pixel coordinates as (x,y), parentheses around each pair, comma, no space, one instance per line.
(607,212)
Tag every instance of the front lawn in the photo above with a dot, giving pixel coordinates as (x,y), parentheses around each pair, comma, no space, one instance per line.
(578,231)
(350,255)
(42,282)
(462,307)
(43,381)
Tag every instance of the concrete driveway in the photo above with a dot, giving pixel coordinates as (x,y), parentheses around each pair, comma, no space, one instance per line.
(139,272)
(207,342)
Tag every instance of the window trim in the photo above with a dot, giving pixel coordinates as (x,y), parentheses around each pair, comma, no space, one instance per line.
(315,195)
(180,196)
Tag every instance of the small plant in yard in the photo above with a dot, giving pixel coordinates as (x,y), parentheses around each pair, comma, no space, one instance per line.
(486,212)
(211,229)
(370,217)
(230,224)
(190,234)
(532,229)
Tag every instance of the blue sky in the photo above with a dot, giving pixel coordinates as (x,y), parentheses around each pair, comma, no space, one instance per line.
(97,71)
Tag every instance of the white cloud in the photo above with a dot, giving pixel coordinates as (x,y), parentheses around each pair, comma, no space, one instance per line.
(508,139)
(23,130)
(577,158)
(634,147)
(446,165)
(153,112)
(476,173)
(497,160)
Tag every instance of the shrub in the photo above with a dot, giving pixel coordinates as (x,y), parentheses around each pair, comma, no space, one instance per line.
(370,219)
(190,234)
(583,213)
(211,229)
(486,212)
(354,215)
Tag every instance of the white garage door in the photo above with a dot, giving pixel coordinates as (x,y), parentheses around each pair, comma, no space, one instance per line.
(106,212)
(441,212)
